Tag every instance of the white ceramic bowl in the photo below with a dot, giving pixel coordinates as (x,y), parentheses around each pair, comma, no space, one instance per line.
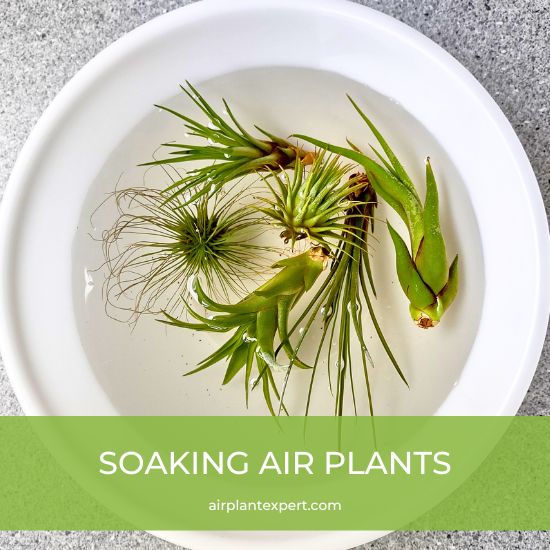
(485,357)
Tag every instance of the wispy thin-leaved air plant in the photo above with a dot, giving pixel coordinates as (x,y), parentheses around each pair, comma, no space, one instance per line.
(340,301)
(195,230)
(155,248)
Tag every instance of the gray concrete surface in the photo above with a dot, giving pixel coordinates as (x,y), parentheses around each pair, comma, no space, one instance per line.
(503,43)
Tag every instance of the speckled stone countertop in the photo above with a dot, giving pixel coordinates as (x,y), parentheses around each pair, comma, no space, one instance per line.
(504,44)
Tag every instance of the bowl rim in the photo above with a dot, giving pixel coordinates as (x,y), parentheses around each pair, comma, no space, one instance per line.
(198,11)
(10,344)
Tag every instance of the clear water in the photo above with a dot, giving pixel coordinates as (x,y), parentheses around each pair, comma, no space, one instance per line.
(141,368)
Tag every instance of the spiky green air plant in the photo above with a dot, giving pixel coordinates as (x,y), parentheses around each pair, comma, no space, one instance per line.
(317,203)
(226,149)
(257,319)
(155,247)
(341,298)
(427,281)
(312,202)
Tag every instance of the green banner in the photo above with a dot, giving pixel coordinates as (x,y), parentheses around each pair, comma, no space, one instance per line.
(262,473)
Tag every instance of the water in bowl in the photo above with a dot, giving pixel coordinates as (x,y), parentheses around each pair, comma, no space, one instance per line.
(141,368)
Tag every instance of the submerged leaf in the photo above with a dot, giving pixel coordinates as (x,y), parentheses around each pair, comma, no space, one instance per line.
(236,363)
(416,290)
(448,294)
(431,259)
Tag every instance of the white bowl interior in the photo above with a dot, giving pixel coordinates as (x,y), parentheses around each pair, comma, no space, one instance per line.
(140,369)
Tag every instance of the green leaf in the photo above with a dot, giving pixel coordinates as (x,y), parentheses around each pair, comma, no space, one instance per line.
(229,321)
(236,363)
(412,284)
(200,327)
(397,166)
(283,309)
(449,292)
(384,182)
(266,328)
(287,282)
(386,164)
(431,259)
(248,371)
(224,351)
(267,393)
(379,332)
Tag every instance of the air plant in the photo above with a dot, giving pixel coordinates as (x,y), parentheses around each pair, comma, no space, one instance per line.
(256,320)
(154,248)
(230,151)
(340,300)
(312,203)
(427,281)
(319,205)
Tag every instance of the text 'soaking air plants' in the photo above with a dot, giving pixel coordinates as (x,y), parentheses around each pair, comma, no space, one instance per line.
(199,236)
